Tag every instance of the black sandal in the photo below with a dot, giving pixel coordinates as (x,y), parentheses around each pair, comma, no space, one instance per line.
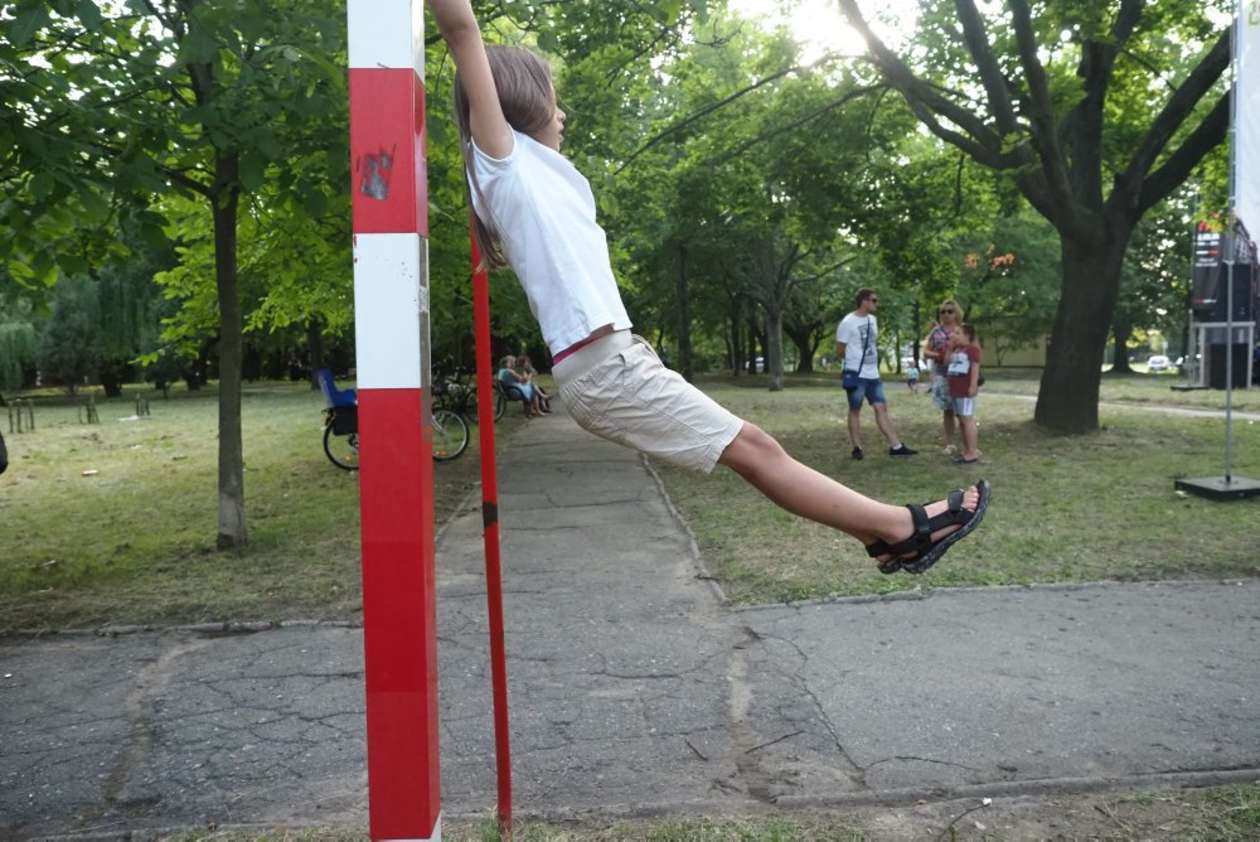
(927,553)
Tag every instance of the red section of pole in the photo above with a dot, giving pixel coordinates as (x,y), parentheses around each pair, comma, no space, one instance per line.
(490,519)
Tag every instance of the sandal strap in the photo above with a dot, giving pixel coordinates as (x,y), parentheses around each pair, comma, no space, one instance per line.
(919,540)
(879,548)
(954,514)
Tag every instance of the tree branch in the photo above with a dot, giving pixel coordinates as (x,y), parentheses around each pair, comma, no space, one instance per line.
(996,85)
(796,124)
(981,142)
(175,175)
(1175,111)
(825,272)
(1176,169)
(709,109)
(1085,123)
(1045,133)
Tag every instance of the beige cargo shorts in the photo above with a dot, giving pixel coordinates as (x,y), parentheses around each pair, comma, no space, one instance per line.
(618,389)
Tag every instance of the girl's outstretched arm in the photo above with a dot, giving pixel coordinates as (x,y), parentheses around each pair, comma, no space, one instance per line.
(458,26)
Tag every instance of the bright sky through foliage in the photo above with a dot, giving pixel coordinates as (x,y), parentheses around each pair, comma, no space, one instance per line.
(820,28)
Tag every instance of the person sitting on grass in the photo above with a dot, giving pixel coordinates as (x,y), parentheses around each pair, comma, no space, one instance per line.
(964,385)
(534,211)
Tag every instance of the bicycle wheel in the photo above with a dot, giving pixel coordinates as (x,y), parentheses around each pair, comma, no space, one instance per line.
(343,451)
(471,407)
(450,435)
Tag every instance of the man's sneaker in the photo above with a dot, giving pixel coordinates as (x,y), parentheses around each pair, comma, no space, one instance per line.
(857,453)
(901,450)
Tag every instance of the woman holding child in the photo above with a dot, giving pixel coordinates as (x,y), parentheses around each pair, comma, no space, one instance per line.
(936,352)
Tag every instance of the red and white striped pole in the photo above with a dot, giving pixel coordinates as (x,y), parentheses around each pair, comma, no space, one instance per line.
(391,300)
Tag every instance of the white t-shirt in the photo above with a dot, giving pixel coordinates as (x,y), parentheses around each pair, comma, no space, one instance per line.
(853,332)
(544,212)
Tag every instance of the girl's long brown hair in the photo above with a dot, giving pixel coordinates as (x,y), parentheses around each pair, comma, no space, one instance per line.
(523,82)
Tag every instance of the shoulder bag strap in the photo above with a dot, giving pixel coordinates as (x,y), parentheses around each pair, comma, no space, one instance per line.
(865,344)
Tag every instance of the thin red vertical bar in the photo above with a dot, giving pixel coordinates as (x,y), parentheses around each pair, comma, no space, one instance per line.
(490,519)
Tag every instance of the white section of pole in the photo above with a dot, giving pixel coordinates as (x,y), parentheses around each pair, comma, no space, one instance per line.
(386,34)
(1230,240)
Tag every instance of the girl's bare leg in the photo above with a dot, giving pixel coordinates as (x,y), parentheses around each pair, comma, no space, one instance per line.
(970,437)
(763,462)
(949,427)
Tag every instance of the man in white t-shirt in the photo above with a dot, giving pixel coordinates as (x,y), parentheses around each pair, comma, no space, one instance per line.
(856,338)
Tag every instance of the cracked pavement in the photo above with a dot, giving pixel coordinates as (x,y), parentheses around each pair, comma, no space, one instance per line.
(633,688)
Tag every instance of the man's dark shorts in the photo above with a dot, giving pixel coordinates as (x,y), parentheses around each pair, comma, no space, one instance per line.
(871,390)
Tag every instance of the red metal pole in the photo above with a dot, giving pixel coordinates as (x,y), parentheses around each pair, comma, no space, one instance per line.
(490,519)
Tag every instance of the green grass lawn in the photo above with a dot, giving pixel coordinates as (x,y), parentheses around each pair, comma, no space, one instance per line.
(1065,509)
(134,543)
(1139,387)
(1128,388)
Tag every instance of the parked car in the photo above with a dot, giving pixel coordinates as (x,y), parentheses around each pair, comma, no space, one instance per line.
(1158,362)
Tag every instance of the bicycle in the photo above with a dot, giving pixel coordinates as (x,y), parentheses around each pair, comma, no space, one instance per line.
(341,428)
(457,392)
(341,436)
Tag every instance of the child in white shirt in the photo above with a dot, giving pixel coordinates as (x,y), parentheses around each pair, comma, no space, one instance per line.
(535,212)
(912,378)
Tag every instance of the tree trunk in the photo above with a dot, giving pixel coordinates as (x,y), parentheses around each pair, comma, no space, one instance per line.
(232,534)
(685,367)
(1068,399)
(315,347)
(774,347)
(737,337)
(112,379)
(1122,330)
(198,373)
(918,336)
(753,339)
(803,339)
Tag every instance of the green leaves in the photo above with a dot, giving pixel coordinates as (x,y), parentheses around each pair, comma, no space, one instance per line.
(30,18)
(253,168)
(198,46)
(95,207)
(89,15)
(548,42)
